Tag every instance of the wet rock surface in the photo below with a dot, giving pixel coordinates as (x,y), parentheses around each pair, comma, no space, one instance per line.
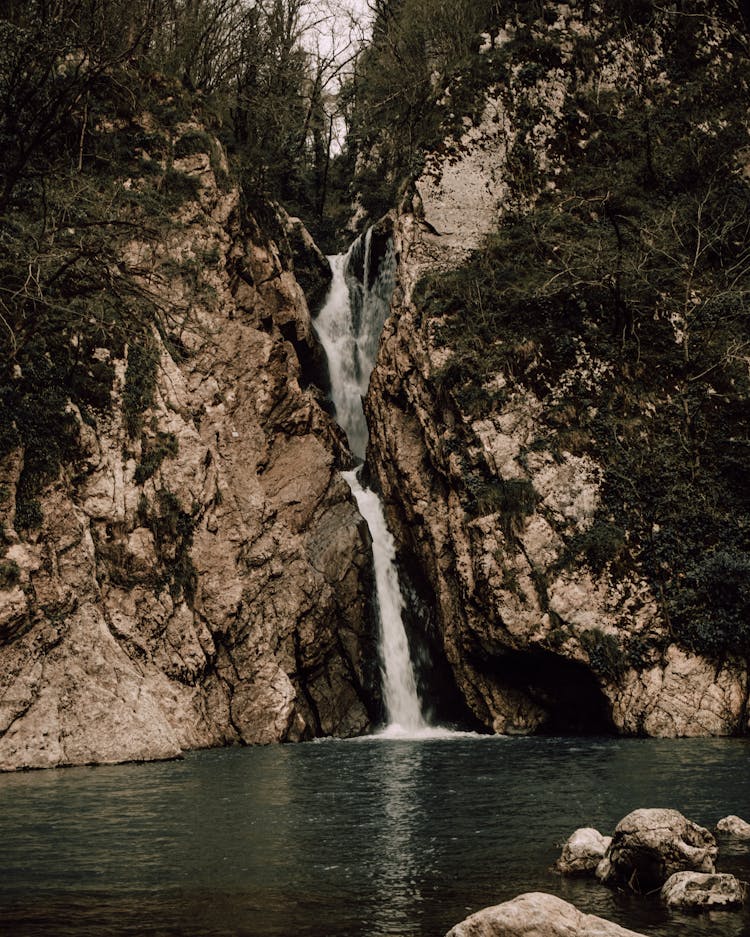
(700,891)
(536,915)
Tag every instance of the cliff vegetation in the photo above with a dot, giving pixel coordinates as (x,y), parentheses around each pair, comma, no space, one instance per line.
(623,263)
(571,361)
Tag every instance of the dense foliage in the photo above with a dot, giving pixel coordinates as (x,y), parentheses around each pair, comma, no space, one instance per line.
(395,102)
(617,289)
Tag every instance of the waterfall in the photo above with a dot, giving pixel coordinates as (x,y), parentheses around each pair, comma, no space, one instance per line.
(349,326)
(399,685)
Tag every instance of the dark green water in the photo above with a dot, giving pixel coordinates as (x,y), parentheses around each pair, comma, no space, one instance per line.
(359,839)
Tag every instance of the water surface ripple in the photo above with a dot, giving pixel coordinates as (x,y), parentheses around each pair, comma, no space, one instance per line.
(353,839)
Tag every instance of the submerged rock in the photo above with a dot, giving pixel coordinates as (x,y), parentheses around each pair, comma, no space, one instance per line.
(703,891)
(734,826)
(649,845)
(583,851)
(537,914)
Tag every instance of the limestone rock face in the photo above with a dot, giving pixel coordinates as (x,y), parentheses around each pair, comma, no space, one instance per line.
(203,581)
(734,826)
(486,510)
(583,851)
(700,891)
(536,914)
(311,268)
(650,845)
(530,640)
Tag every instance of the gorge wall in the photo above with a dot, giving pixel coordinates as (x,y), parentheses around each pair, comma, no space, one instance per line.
(196,573)
(558,416)
(556,462)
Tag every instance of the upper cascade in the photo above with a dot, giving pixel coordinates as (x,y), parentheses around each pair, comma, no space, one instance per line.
(349,327)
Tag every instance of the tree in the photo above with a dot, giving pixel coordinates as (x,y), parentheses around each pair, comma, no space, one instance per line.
(395,102)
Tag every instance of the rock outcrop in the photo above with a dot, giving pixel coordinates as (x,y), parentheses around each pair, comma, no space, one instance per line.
(582,852)
(700,891)
(735,827)
(201,574)
(533,915)
(529,594)
(531,641)
(650,845)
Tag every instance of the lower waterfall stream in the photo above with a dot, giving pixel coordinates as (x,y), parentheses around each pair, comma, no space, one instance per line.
(349,326)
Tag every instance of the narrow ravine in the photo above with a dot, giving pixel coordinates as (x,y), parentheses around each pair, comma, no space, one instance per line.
(349,326)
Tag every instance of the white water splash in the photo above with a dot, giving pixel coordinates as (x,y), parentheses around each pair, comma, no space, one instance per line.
(349,325)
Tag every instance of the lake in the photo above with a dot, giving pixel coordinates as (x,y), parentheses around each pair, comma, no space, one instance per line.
(358,839)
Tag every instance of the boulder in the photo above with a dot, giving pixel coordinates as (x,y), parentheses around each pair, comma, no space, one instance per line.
(734,826)
(583,851)
(699,890)
(537,914)
(649,845)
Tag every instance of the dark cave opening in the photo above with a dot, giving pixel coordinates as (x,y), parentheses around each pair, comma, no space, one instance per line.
(565,689)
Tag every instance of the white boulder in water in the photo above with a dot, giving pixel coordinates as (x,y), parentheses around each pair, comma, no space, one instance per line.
(703,891)
(537,914)
(582,851)
(734,826)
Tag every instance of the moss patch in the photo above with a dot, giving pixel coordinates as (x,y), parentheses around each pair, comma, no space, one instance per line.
(140,384)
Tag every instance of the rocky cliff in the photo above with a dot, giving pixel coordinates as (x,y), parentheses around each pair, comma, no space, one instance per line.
(555,458)
(196,572)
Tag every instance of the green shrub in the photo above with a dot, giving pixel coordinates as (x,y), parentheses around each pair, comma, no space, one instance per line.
(192,142)
(29,515)
(173,529)
(153,453)
(512,499)
(140,384)
(711,604)
(602,544)
(10,574)
(179,187)
(639,651)
(606,656)
(183,577)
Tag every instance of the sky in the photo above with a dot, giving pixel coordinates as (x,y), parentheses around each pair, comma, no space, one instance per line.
(340,23)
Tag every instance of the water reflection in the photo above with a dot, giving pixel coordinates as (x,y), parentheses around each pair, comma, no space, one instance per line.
(399,859)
